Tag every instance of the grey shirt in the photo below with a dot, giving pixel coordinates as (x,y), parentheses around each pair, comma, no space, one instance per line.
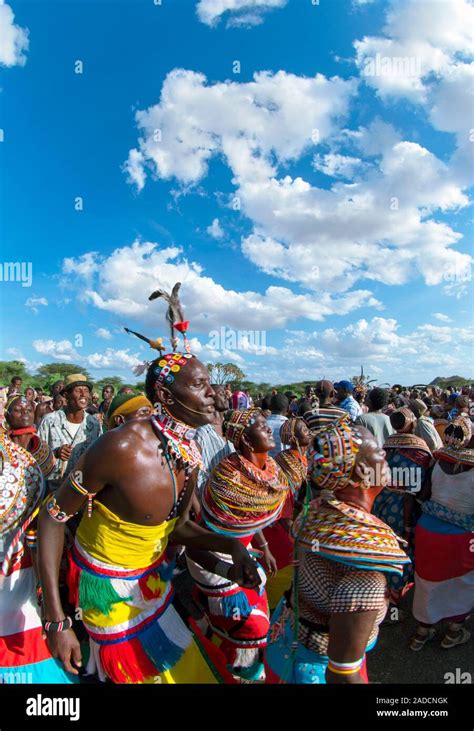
(426,429)
(57,431)
(213,449)
(378,424)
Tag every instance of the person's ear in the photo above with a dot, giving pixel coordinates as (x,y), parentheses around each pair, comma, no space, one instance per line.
(363,472)
(163,394)
(246,441)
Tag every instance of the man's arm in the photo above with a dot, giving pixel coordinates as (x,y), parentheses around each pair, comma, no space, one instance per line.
(64,645)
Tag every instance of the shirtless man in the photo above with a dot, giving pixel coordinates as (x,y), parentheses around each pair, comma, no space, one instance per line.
(137,479)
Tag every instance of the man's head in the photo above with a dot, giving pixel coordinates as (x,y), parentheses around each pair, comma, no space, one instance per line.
(15,383)
(278,404)
(56,388)
(343,389)
(325,392)
(77,392)
(59,402)
(127,407)
(30,393)
(126,390)
(221,400)
(182,388)
(462,403)
(108,392)
(304,405)
(309,391)
(377,399)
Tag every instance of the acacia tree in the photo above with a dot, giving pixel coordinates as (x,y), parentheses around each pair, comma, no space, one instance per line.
(222,373)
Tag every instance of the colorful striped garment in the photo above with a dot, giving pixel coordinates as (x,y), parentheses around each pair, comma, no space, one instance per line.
(120,578)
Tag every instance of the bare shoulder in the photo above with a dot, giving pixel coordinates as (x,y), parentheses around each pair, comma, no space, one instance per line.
(130,436)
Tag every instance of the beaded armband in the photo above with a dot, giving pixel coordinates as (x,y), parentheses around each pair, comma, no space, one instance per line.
(345,668)
(31,539)
(77,486)
(55,511)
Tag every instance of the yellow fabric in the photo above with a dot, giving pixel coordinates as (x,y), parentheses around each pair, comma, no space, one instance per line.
(191,668)
(110,539)
(119,613)
(277,585)
(129,407)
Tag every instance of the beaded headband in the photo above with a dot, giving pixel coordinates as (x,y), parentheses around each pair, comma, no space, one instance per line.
(171,363)
(237,423)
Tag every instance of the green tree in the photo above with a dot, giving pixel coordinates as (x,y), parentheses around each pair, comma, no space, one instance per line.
(11,368)
(64,369)
(222,373)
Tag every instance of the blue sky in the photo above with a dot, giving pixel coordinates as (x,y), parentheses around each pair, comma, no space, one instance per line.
(350,241)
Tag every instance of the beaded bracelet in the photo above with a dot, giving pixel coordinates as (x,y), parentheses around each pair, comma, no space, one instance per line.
(55,512)
(61,626)
(345,668)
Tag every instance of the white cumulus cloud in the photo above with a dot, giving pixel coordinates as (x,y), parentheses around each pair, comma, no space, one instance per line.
(102,332)
(125,279)
(13,39)
(215,229)
(243,12)
(61,350)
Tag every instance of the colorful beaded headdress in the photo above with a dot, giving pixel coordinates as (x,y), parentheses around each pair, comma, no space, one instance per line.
(237,422)
(333,455)
(167,366)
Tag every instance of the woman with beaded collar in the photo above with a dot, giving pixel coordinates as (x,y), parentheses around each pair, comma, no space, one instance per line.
(444,568)
(322,629)
(245,493)
(24,655)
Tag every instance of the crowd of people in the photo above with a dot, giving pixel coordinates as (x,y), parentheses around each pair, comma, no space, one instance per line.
(297,519)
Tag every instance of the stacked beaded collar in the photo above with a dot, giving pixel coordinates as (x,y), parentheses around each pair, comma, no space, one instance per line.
(239,498)
(179,437)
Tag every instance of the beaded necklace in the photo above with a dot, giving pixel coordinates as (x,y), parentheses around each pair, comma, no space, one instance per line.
(294,465)
(180,445)
(240,498)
